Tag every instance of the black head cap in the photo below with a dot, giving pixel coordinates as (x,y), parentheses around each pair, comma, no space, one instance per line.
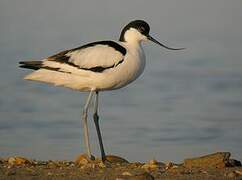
(142,26)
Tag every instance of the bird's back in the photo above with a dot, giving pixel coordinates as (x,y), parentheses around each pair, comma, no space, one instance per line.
(102,65)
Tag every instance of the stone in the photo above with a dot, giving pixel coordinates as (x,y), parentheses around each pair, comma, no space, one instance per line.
(170,165)
(234,163)
(31,171)
(239,172)
(2,160)
(153,164)
(122,177)
(126,173)
(82,160)
(115,159)
(103,165)
(18,161)
(10,172)
(216,160)
(41,163)
(231,175)
(49,174)
(153,161)
(144,176)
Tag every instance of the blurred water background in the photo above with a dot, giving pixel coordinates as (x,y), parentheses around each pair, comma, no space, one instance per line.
(186,103)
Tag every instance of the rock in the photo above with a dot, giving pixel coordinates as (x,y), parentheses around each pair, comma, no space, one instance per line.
(170,165)
(103,165)
(31,171)
(49,174)
(18,161)
(239,172)
(234,163)
(2,160)
(122,177)
(53,164)
(144,176)
(68,163)
(153,164)
(115,159)
(82,160)
(126,173)
(231,175)
(153,161)
(40,163)
(11,160)
(10,172)
(216,160)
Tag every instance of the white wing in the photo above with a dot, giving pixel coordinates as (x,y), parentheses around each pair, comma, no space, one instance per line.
(103,54)
(99,55)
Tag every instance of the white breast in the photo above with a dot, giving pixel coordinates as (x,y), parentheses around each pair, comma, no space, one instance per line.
(128,71)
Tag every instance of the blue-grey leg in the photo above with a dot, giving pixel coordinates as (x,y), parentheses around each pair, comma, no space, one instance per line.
(85,126)
(96,121)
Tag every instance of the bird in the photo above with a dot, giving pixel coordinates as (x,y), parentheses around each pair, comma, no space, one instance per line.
(96,67)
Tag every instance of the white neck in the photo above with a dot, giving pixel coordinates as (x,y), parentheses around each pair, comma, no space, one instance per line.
(133,36)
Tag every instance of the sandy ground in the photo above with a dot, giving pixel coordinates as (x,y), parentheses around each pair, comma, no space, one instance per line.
(213,166)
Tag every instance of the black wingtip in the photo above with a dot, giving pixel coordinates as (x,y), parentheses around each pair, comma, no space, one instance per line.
(22,62)
(35,65)
(29,67)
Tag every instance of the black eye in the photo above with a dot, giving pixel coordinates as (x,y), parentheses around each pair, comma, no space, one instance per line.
(141,29)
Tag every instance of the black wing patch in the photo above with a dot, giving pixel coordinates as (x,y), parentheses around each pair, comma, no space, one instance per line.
(35,65)
(112,44)
(100,68)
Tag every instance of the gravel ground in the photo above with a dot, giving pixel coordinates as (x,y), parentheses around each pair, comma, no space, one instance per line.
(118,168)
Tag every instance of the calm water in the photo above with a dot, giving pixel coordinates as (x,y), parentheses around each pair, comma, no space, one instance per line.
(167,114)
(185,104)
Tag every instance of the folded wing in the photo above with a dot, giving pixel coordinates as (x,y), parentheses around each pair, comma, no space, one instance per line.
(96,57)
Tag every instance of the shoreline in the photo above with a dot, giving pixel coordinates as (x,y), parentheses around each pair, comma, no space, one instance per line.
(213,166)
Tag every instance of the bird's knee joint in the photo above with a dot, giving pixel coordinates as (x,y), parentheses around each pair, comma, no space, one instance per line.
(95,117)
(84,113)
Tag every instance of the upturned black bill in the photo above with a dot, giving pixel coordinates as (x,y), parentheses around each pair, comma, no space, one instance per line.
(155,41)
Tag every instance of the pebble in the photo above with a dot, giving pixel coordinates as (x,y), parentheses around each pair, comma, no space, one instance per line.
(53,164)
(32,172)
(144,176)
(152,164)
(11,160)
(239,172)
(234,163)
(102,165)
(2,161)
(115,159)
(231,175)
(18,161)
(170,165)
(126,173)
(11,172)
(49,174)
(41,163)
(82,160)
